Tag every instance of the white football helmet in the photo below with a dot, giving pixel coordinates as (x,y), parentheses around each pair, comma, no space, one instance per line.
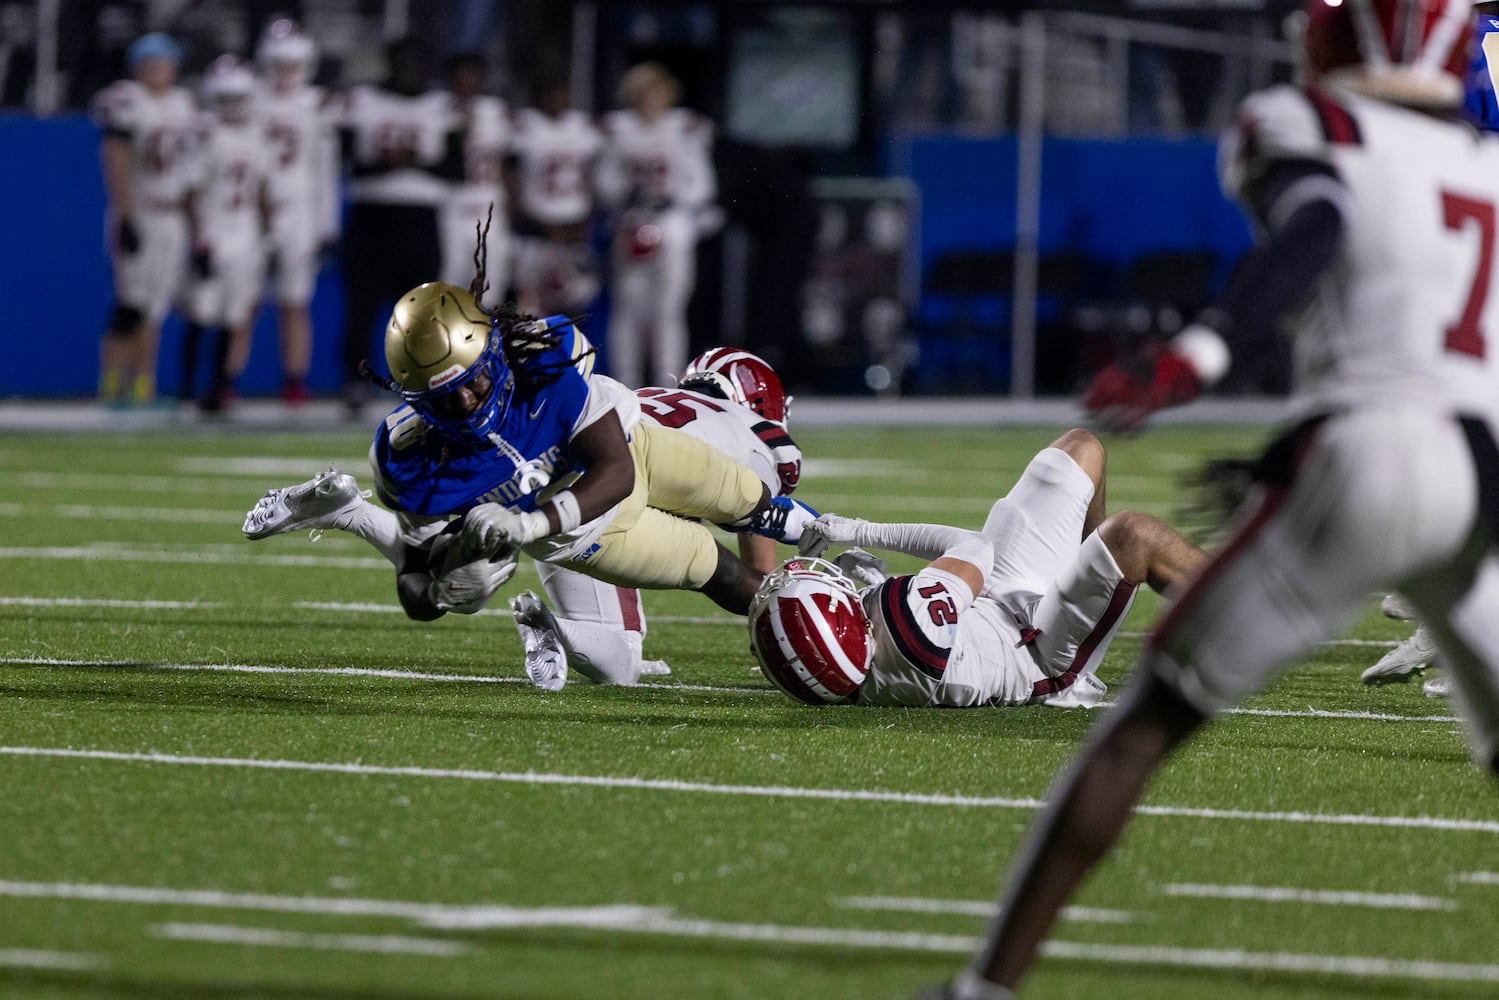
(285,55)
(809,632)
(228,87)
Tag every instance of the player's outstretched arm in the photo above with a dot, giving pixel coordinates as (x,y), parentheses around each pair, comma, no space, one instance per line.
(966,554)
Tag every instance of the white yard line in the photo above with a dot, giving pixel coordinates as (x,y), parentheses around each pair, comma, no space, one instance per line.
(105,553)
(758,791)
(392,674)
(95,602)
(268,937)
(396,674)
(1284,894)
(973,908)
(1253,961)
(1479,878)
(85,512)
(34,958)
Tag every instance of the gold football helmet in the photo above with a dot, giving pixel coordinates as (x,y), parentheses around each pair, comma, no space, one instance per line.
(438,342)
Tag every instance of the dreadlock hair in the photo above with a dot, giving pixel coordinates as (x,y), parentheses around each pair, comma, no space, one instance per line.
(523,337)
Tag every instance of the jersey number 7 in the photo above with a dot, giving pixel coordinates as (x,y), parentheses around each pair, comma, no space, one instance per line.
(1465,336)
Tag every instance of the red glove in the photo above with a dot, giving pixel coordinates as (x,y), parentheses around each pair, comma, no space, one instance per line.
(1121,399)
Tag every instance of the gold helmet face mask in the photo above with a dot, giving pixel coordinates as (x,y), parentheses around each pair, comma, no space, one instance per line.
(438,342)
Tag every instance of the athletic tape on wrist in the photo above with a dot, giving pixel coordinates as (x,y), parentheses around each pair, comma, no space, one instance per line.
(569,515)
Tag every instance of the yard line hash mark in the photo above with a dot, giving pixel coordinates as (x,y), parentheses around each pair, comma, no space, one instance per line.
(973,908)
(759,791)
(1287,894)
(267,937)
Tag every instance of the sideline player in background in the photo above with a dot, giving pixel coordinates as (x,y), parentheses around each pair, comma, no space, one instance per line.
(485,136)
(730,400)
(1377,213)
(146,123)
(230,211)
(657,177)
(1019,613)
(404,148)
(303,185)
(554,147)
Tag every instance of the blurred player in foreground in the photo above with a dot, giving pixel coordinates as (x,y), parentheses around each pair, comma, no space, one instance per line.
(730,400)
(1377,215)
(230,212)
(146,123)
(1414,655)
(1018,613)
(303,187)
(506,428)
(655,173)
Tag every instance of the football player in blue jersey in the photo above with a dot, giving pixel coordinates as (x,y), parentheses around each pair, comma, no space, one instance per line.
(1480,103)
(505,427)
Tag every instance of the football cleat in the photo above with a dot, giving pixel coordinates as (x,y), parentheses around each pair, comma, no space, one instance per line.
(1396,607)
(654,668)
(317,504)
(782,519)
(546,661)
(1404,661)
(1437,687)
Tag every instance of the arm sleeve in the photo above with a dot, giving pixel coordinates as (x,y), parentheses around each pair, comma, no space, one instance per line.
(927,541)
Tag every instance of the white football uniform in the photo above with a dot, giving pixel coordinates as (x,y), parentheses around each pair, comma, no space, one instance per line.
(660,177)
(303,184)
(484,143)
(604,625)
(555,160)
(1038,630)
(384,128)
(159,129)
(554,189)
(1381,489)
(231,164)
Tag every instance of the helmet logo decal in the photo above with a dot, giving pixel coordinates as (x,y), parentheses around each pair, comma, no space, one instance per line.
(444,377)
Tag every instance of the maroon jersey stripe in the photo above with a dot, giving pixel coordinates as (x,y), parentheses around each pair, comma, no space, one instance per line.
(910,641)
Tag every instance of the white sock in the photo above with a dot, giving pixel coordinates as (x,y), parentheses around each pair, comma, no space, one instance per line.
(969,985)
(375,525)
(602,654)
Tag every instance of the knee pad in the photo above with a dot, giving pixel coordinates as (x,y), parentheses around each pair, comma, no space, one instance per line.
(125,321)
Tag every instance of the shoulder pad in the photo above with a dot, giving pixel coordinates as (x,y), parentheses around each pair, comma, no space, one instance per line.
(1283,123)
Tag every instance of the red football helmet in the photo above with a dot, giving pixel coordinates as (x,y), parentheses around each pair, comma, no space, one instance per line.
(809,632)
(750,378)
(1406,51)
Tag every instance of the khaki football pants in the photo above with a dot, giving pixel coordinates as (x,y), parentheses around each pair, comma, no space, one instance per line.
(658,539)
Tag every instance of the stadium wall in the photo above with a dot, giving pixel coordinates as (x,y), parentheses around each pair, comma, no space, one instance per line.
(1105,197)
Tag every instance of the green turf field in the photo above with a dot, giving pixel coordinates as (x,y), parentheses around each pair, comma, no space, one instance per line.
(235,769)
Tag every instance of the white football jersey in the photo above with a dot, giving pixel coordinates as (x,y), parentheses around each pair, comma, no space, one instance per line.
(299,132)
(736,430)
(484,143)
(1407,312)
(231,161)
(396,141)
(555,157)
(159,128)
(667,159)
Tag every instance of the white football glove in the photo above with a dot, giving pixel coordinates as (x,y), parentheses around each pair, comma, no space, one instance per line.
(490,527)
(466,588)
(863,567)
(829,529)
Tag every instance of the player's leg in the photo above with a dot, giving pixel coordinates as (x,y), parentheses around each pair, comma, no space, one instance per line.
(126,318)
(684,475)
(677,268)
(1149,550)
(1036,527)
(1368,505)
(164,241)
(296,274)
(630,306)
(1075,621)
(601,626)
